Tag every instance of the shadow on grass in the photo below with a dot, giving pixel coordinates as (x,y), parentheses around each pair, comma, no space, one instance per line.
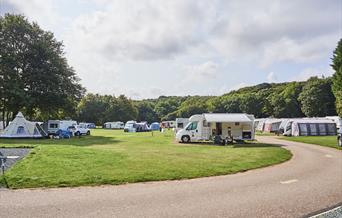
(255,145)
(75,141)
(234,145)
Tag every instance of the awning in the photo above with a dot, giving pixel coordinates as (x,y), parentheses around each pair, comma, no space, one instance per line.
(227,118)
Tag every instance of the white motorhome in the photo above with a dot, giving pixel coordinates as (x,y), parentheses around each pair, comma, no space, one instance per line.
(181,123)
(204,127)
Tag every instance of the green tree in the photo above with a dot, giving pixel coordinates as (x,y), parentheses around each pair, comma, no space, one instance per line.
(316,98)
(337,77)
(146,111)
(285,102)
(92,108)
(35,75)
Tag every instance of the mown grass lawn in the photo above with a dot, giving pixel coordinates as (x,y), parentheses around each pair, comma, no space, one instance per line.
(115,157)
(328,141)
(259,133)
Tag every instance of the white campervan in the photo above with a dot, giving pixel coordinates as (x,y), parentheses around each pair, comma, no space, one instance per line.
(204,127)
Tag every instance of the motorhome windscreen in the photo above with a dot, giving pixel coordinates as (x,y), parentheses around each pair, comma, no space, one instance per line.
(191,126)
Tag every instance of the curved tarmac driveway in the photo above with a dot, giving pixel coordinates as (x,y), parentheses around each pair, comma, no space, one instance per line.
(310,181)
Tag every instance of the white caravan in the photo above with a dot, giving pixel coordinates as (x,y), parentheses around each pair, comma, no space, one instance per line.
(130,126)
(181,123)
(114,125)
(204,127)
(52,126)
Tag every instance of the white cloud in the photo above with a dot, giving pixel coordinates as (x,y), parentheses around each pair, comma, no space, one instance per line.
(310,72)
(202,72)
(271,77)
(45,12)
(103,42)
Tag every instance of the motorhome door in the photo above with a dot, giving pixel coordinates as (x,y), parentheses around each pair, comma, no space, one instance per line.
(218,128)
(194,131)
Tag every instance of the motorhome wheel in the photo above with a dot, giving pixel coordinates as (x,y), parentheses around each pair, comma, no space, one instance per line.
(185,139)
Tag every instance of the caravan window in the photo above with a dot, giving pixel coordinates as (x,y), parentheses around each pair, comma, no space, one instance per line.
(313,129)
(331,129)
(303,129)
(20,130)
(322,130)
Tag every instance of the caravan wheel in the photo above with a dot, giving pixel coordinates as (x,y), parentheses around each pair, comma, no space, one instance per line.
(185,139)
(339,140)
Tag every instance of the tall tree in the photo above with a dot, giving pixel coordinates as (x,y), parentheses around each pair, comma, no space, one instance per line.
(146,111)
(35,75)
(337,77)
(317,99)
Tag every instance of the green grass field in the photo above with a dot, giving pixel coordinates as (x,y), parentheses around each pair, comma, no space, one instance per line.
(259,133)
(328,141)
(114,157)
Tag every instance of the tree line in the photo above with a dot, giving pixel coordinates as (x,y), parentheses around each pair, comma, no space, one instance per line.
(35,78)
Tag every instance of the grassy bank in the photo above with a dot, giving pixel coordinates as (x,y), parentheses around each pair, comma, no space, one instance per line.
(327,141)
(114,157)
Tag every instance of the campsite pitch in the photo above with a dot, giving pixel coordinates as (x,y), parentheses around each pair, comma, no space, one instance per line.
(115,157)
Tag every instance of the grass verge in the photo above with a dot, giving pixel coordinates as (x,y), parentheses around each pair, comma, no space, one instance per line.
(327,141)
(115,157)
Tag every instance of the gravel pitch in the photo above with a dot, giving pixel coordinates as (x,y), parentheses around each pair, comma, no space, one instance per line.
(20,152)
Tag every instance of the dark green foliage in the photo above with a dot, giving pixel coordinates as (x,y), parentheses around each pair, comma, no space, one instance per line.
(337,77)
(35,76)
(146,111)
(284,102)
(193,105)
(317,98)
(103,108)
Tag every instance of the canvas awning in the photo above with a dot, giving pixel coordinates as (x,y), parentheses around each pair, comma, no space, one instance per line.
(227,118)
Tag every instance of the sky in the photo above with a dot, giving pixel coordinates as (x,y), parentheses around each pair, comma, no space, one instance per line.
(148,48)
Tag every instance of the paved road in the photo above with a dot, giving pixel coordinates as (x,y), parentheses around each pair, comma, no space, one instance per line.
(310,181)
